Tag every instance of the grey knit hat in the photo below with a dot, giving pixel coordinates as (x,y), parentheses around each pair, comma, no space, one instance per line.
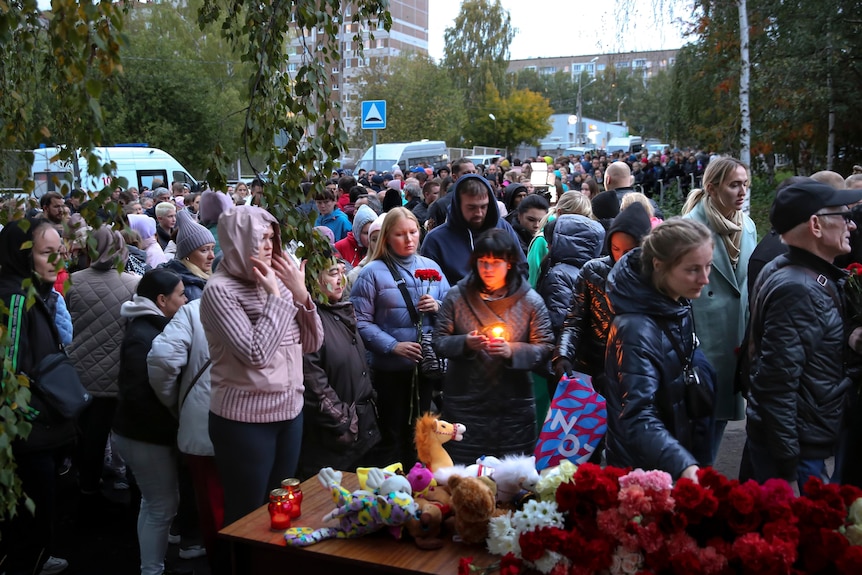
(212,205)
(364,215)
(190,234)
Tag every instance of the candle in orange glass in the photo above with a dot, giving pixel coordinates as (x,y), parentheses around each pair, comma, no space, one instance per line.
(497,332)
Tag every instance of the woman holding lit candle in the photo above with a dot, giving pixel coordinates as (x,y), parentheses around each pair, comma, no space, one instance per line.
(494,329)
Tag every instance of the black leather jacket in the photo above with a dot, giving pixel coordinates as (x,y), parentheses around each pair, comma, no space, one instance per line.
(648,426)
(799,384)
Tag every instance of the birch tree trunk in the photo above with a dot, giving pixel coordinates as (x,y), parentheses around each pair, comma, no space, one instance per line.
(744,109)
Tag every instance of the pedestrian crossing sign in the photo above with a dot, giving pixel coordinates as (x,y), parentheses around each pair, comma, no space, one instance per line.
(373,115)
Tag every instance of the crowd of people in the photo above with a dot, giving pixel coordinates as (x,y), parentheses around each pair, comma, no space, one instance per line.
(215,373)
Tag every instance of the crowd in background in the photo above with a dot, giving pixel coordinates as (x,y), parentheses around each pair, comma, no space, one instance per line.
(216,374)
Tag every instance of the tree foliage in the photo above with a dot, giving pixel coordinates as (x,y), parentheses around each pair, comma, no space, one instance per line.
(182,90)
(63,61)
(420,98)
(522,116)
(477,49)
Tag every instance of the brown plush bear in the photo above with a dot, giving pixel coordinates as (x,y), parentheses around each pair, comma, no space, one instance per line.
(426,527)
(474,502)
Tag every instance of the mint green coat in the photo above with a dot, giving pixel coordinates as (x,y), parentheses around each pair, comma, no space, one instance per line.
(721,314)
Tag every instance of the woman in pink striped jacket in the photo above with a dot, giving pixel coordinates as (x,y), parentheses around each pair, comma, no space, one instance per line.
(259,319)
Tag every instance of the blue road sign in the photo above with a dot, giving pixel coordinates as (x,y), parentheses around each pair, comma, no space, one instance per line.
(374,115)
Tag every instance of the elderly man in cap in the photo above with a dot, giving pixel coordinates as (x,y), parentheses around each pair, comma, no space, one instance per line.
(795,362)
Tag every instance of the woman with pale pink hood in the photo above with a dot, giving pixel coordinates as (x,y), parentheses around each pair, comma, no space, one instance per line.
(259,320)
(146,227)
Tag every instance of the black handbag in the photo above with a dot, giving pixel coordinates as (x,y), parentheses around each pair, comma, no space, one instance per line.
(699,395)
(58,384)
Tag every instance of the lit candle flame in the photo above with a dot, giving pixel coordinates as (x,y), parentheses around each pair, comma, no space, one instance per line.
(497,332)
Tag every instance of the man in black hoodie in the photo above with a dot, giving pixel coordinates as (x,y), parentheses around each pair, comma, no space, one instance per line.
(473,211)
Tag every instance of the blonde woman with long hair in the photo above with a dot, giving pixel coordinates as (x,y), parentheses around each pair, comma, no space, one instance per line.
(721,313)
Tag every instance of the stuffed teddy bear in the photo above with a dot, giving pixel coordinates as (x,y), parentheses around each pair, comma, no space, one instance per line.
(426,528)
(474,504)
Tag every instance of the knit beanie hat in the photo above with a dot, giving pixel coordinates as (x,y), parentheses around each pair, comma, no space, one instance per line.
(376,224)
(327,233)
(212,205)
(190,234)
(606,206)
(363,216)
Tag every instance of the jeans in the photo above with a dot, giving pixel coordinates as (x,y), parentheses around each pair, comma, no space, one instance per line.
(155,470)
(758,464)
(252,459)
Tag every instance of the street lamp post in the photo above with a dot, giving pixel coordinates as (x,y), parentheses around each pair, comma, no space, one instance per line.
(493,117)
(619,108)
(580,134)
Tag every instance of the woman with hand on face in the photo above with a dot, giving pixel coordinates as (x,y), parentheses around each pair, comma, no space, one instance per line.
(650,343)
(721,313)
(494,329)
(259,320)
(389,332)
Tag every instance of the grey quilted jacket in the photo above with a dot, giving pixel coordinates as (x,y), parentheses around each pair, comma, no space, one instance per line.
(94,302)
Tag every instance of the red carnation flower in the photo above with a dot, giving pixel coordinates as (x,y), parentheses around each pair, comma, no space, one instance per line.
(510,565)
(851,562)
(464,565)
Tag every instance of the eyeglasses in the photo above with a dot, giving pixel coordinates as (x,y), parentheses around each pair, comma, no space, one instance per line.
(848,215)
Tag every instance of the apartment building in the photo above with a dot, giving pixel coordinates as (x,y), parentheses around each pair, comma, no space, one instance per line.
(409,32)
(647,63)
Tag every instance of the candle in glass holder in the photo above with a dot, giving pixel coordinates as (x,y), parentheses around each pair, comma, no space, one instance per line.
(294,494)
(497,332)
(279,510)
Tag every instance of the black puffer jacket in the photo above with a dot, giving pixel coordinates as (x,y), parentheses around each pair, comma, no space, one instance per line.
(575,241)
(339,420)
(37,336)
(492,397)
(798,383)
(585,329)
(648,426)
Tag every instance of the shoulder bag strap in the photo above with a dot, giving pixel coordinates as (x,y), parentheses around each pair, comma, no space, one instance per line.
(687,359)
(402,285)
(13,329)
(194,381)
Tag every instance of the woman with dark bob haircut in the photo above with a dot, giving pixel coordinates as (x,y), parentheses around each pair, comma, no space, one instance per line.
(494,329)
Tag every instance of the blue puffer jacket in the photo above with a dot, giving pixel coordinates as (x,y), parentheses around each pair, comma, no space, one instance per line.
(381,312)
(575,241)
(648,426)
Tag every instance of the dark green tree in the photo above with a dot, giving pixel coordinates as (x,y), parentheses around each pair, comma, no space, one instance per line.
(420,98)
(477,49)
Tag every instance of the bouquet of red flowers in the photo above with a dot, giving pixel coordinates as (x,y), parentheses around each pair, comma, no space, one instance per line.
(640,523)
(853,291)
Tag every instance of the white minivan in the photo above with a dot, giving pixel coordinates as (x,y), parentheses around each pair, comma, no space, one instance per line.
(405,155)
(138,165)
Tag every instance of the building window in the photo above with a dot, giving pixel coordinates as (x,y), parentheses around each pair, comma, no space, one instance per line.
(576,68)
(601,67)
(548,70)
(623,64)
(640,63)
(291,67)
(533,68)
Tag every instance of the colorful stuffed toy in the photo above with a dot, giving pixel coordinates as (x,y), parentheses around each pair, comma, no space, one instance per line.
(431,434)
(360,512)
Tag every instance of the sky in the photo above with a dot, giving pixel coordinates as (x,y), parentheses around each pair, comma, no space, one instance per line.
(569,27)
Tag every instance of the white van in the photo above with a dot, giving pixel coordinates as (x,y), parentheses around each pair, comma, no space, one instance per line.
(628,144)
(138,165)
(406,155)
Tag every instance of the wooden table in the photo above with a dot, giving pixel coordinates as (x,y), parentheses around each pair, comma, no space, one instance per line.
(255,549)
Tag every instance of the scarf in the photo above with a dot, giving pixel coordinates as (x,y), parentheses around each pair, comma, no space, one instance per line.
(195,270)
(730,229)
